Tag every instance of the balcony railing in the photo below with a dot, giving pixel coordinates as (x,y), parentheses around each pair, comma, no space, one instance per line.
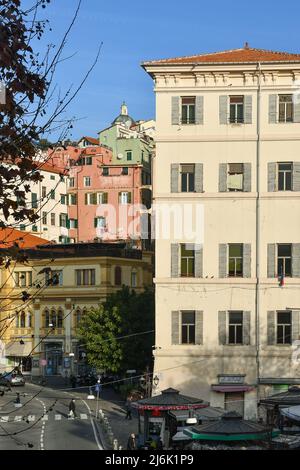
(22,331)
(48,331)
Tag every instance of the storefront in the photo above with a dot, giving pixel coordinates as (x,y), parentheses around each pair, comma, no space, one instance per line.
(233,392)
(18,355)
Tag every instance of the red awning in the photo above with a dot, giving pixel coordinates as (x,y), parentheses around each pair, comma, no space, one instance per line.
(231,388)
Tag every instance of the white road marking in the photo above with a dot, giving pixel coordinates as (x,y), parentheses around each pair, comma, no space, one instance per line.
(31,418)
(4,419)
(83,416)
(45,418)
(93,426)
(57,417)
(18,418)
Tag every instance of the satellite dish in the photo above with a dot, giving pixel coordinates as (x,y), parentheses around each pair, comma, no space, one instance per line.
(120,156)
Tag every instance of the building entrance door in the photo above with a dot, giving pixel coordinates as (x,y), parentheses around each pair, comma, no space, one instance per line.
(234,401)
(53,355)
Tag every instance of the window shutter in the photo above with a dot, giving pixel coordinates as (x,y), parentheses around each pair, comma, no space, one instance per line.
(95,222)
(199,177)
(296,108)
(247,177)
(272,177)
(271,260)
(129,198)
(105,198)
(175,327)
(199,110)
(198,260)
(174,177)
(68,223)
(120,196)
(199,327)
(296,176)
(144,227)
(85,198)
(223,109)
(295,325)
(222,327)
(222,177)
(248,109)
(272,109)
(175,110)
(94,198)
(271,327)
(246,327)
(222,260)
(60,220)
(75,223)
(174,259)
(296,259)
(247,260)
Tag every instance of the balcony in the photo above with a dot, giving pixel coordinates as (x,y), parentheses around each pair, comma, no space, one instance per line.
(22,331)
(50,333)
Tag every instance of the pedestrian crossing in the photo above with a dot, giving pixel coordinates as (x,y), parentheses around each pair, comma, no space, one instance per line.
(47,417)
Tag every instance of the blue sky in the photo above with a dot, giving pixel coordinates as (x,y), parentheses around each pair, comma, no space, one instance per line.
(133,31)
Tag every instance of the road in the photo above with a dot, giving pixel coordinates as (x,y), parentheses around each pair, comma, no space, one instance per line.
(42,422)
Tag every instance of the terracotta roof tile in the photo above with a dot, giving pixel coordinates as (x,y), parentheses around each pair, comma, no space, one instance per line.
(9,236)
(243,55)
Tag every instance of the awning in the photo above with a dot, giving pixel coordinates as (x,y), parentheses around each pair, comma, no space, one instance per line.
(231,388)
(15,349)
(293,412)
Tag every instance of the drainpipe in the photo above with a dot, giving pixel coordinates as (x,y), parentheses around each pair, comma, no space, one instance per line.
(257,270)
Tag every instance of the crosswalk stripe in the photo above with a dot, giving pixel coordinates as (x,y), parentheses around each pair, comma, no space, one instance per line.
(45,418)
(57,417)
(4,419)
(31,418)
(18,418)
(83,416)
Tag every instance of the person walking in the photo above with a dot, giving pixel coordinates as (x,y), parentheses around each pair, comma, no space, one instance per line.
(131,444)
(72,409)
(128,409)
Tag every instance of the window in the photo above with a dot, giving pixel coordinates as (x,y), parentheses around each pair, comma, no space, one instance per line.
(105,171)
(78,317)
(187,178)
(284,328)
(102,198)
(236,260)
(52,177)
(188,327)
(44,191)
(63,220)
(142,156)
(23,278)
(100,222)
(52,194)
(71,182)
(235,325)
(285,176)
(90,198)
(22,227)
(236,109)
(284,260)
(22,320)
(188,110)
(235,177)
(54,318)
(86,181)
(118,275)
(73,223)
(29,320)
(125,170)
(52,218)
(34,228)
(124,197)
(128,155)
(44,218)
(73,199)
(133,279)
(88,161)
(54,278)
(285,108)
(85,277)
(187,260)
(63,199)
(34,200)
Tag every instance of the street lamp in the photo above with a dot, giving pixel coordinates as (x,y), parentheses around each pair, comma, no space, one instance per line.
(71,356)
(97,388)
(156,381)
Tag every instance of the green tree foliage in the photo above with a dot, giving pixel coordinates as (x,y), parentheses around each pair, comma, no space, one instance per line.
(98,331)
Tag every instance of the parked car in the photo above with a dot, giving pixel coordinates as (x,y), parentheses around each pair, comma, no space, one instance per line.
(4,381)
(15,379)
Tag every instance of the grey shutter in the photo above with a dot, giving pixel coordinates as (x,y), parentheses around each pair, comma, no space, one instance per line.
(222,177)
(271,327)
(199,110)
(248,109)
(174,177)
(175,327)
(296,108)
(144,226)
(199,177)
(271,270)
(296,259)
(223,109)
(223,260)
(296,176)
(272,186)
(174,259)
(246,327)
(175,110)
(198,260)
(199,327)
(246,260)
(247,177)
(222,327)
(295,325)
(272,109)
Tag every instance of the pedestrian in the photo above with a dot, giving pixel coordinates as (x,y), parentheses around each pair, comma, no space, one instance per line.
(131,444)
(128,409)
(72,409)
(18,399)
(159,444)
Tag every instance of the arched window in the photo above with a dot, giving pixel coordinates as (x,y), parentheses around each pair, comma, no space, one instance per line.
(133,278)
(118,276)
(78,317)
(47,318)
(22,320)
(29,320)
(53,318)
(59,319)
(17,319)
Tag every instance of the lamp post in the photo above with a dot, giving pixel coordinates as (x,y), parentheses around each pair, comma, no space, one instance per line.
(71,356)
(98,387)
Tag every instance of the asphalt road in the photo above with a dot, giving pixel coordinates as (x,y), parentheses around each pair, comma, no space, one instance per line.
(42,422)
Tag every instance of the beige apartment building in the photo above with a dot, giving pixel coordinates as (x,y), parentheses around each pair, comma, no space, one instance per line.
(227,308)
